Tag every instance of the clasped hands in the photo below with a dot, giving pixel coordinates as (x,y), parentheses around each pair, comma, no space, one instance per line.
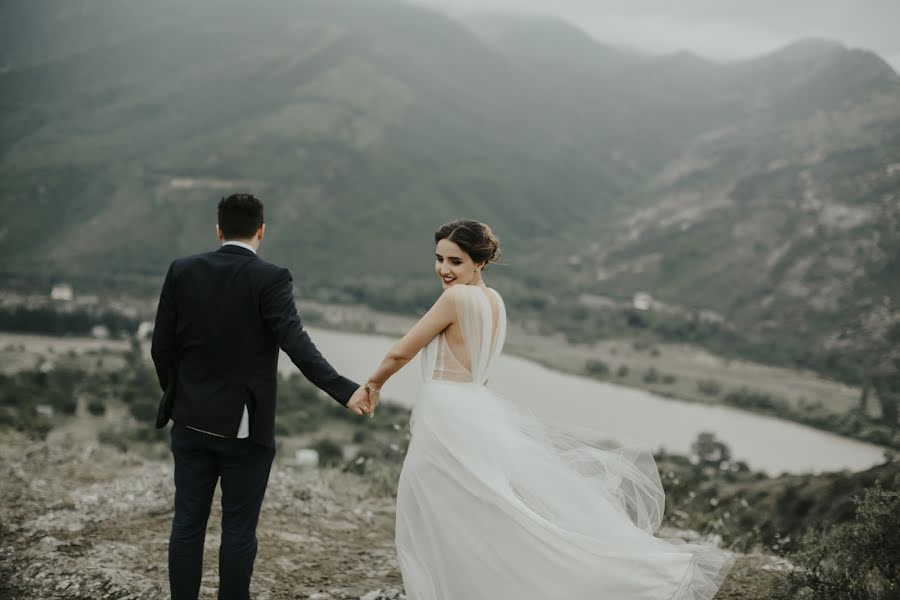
(365,399)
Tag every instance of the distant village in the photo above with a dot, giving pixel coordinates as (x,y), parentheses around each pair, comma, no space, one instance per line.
(138,313)
(62,299)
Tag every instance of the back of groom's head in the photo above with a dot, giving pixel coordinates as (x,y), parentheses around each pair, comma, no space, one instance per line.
(240,216)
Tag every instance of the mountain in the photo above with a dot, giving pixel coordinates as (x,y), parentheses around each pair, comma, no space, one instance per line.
(763,190)
(345,116)
(786,217)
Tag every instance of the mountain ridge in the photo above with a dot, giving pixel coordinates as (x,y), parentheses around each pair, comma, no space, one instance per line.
(364,126)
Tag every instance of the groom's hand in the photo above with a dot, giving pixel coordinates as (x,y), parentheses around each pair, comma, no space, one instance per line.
(359,401)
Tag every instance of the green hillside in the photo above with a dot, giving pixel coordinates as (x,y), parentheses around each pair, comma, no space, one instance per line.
(357,129)
(764,192)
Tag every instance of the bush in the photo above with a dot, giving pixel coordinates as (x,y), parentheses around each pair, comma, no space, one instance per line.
(859,560)
(651,375)
(96,407)
(114,438)
(622,371)
(745,398)
(330,452)
(597,368)
(640,345)
(63,403)
(144,410)
(709,387)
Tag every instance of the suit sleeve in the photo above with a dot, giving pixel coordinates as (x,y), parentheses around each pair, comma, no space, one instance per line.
(162,346)
(279,312)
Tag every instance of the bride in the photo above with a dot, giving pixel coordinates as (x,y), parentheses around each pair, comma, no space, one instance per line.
(492,503)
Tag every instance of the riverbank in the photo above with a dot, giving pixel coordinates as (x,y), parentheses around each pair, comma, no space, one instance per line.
(689,365)
(678,371)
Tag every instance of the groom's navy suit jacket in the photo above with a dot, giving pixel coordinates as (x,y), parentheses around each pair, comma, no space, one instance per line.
(221,319)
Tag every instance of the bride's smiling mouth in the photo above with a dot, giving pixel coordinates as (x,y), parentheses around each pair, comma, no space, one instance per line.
(448,279)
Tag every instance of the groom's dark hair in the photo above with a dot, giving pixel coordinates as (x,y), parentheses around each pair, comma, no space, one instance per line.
(240,215)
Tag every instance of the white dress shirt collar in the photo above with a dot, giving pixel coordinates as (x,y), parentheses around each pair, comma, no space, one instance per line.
(241,245)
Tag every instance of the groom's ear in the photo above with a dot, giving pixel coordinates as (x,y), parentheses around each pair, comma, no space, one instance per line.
(261,232)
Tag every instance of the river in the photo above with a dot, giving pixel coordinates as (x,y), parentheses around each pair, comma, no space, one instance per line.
(765,443)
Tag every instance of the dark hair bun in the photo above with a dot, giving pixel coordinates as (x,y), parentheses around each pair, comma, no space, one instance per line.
(475,238)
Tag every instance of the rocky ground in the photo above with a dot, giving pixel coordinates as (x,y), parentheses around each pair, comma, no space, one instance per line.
(86,521)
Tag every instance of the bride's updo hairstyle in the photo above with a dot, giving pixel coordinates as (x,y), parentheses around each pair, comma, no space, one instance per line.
(475,238)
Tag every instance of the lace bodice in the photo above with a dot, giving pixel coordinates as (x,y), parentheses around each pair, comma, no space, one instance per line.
(483,337)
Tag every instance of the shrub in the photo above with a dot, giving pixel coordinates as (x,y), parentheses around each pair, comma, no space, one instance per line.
(746,398)
(596,367)
(330,452)
(114,438)
(62,403)
(96,407)
(651,375)
(622,371)
(859,560)
(144,410)
(709,387)
(641,345)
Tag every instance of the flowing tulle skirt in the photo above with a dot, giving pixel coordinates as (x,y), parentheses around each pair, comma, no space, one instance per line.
(494,505)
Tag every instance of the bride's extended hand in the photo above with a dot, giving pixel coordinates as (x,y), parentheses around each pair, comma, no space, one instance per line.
(374,396)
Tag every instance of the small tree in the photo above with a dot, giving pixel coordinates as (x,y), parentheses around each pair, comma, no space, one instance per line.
(709,451)
(875,339)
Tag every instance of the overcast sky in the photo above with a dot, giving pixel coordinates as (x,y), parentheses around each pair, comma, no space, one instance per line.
(717,29)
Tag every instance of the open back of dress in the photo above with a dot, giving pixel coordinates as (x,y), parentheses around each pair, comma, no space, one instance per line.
(483,336)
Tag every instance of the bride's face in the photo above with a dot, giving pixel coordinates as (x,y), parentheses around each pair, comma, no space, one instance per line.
(452,265)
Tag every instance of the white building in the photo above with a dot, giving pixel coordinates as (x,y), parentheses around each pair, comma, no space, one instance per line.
(642,301)
(101,332)
(62,292)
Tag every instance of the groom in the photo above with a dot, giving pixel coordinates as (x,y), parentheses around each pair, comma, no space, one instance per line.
(221,319)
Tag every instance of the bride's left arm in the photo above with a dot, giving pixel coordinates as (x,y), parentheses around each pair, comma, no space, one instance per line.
(440,316)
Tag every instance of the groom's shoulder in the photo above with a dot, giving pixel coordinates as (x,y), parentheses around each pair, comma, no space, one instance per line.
(269,267)
(270,275)
(258,267)
(183,262)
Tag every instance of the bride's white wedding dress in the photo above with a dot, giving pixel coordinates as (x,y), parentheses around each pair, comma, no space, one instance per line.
(493,504)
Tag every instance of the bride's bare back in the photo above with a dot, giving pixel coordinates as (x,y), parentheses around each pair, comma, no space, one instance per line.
(453,357)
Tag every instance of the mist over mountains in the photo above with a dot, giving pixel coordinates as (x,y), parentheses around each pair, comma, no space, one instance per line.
(765,190)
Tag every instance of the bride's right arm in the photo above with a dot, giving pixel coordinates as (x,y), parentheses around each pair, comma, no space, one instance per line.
(438,318)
